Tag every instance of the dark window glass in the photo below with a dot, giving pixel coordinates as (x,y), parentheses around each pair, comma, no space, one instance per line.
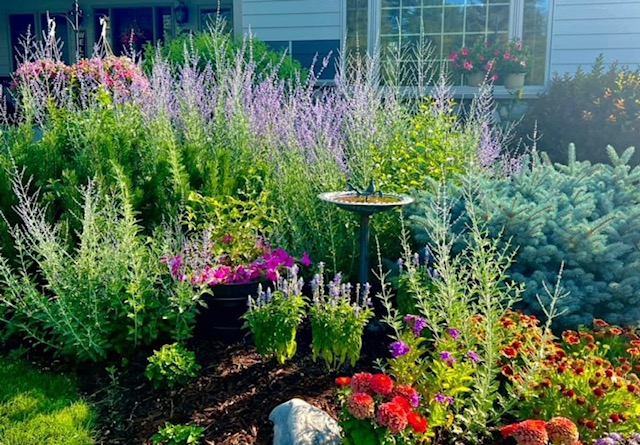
(305,51)
(20,25)
(358,24)
(208,17)
(62,33)
(131,28)
(534,36)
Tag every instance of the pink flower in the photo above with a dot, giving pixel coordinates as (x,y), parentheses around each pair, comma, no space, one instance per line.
(453,56)
(361,382)
(506,55)
(393,416)
(305,260)
(361,406)
(222,274)
(468,65)
(464,52)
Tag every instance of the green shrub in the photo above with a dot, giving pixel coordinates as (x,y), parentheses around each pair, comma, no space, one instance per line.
(584,215)
(111,293)
(591,109)
(171,434)
(171,365)
(216,47)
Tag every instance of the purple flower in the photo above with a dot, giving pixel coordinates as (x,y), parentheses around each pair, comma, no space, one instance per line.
(418,323)
(448,358)
(454,333)
(305,260)
(398,348)
(473,355)
(441,398)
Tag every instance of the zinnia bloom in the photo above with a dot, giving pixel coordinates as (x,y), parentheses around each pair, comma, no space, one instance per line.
(408,393)
(529,432)
(361,405)
(381,384)
(392,416)
(361,382)
(399,348)
(562,431)
(403,402)
(417,422)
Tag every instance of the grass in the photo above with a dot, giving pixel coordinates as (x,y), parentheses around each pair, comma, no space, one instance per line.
(37,408)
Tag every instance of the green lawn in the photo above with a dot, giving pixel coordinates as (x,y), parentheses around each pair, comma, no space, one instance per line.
(37,408)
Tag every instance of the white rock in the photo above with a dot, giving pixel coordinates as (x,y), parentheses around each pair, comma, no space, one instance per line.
(297,423)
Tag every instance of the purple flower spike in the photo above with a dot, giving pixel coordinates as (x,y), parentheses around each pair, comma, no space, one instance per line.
(454,333)
(441,398)
(473,355)
(448,358)
(398,348)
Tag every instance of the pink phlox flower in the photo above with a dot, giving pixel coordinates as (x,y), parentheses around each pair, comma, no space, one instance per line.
(453,56)
(468,65)
(464,52)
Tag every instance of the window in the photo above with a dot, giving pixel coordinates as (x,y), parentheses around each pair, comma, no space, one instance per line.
(208,17)
(450,24)
(21,24)
(133,27)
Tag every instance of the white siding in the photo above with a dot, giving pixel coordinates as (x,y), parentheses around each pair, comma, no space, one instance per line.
(284,20)
(583,29)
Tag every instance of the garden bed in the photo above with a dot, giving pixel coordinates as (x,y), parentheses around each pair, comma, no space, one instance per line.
(231,398)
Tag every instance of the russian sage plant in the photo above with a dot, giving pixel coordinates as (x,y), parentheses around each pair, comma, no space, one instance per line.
(274,317)
(110,294)
(338,320)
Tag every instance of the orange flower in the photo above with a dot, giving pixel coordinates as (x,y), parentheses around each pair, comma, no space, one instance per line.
(572,339)
(600,322)
(343,381)
(507,371)
(531,432)
(634,351)
(615,331)
(562,431)
(417,422)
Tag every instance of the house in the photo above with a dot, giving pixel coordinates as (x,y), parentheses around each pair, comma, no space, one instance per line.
(562,34)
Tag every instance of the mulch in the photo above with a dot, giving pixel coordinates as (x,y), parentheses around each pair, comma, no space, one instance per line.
(231,398)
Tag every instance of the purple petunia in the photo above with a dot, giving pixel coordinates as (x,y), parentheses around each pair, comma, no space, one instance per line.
(398,348)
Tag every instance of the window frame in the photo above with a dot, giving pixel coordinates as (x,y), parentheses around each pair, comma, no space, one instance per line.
(516,25)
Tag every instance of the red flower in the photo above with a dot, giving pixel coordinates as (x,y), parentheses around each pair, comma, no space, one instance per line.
(361,382)
(392,416)
(509,352)
(562,431)
(529,432)
(581,400)
(381,384)
(631,387)
(615,418)
(615,331)
(403,403)
(361,405)
(590,424)
(343,381)
(508,430)
(600,322)
(417,422)
(408,393)
(507,370)
(598,392)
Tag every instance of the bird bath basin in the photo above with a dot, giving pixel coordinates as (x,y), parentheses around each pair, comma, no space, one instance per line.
(365,204)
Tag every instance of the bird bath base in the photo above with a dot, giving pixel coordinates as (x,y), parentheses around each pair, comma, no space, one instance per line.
(365,205)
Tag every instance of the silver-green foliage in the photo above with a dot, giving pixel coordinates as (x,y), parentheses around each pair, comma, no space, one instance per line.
(109,294)
(585,215)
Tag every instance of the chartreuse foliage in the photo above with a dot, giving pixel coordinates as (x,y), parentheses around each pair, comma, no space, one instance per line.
(585,215)
(38,408)
(171,434)
(170,365)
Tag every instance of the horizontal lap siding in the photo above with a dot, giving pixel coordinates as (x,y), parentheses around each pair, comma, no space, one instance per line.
(583,29)
(277,20)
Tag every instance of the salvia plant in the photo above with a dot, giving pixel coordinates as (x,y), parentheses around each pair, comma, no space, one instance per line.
(338,319)
(273,317)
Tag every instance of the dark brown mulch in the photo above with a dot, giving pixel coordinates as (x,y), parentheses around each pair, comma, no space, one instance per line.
(232,397)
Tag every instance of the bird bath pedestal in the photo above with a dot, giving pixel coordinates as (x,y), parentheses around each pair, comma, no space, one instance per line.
(365,204)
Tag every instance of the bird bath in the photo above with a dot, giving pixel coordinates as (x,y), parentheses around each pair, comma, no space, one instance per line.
(365,204)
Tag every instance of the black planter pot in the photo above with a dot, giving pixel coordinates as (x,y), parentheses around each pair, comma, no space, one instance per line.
(225,305)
